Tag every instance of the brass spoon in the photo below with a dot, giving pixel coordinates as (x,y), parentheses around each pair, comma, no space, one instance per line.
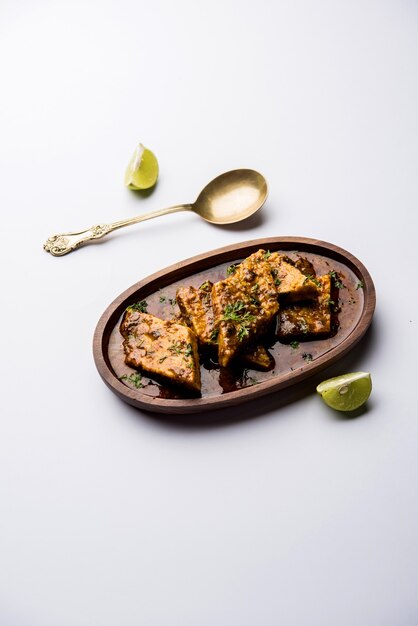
(229,198)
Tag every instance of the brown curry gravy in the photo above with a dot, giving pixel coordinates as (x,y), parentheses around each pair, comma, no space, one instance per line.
(217,381)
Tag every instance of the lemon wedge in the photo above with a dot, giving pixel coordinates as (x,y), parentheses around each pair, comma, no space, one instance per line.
(142,171)
(347,392)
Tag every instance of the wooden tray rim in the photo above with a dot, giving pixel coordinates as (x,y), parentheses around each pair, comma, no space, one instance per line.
(206,260)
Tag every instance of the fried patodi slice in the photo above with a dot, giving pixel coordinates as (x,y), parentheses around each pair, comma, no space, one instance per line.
(290,281)
(161,348)
(244,305)
(308,320)
(196,308)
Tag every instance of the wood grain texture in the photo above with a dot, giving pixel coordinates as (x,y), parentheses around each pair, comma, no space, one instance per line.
(189,267)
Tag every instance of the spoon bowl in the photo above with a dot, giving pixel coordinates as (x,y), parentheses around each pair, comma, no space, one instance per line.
(228,198)
(232,197)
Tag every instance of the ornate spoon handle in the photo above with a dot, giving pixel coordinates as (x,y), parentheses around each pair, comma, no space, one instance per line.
(61,244)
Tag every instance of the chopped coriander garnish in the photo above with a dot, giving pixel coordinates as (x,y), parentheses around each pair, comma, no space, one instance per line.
(236,313)
(205,286)
(294,345)
(243,332)
(312,279)
(231,269)
(307,356)
(267,255)
(337,281)
(176,347)
(360,285)
(135,379)
(277,282)
(138,306)
(214,334)
(162,298)
(233,311)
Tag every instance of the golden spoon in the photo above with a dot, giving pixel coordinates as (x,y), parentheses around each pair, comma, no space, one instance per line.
(229,198)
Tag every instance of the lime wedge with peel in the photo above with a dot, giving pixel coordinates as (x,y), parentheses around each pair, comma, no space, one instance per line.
(347,392)
(142,171)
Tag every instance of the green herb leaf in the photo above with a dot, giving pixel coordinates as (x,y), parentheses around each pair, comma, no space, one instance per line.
(138,306)
(214,334)
(231,269)
(172,302)
(243,332)
(311,278)
(176,347)
(294,345)
(237,313)
(233,311)
(337,281)
(135,379)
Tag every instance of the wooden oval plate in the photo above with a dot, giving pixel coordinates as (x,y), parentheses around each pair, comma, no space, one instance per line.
(231,386)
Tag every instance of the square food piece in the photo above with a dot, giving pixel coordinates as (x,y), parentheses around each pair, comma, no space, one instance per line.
(244,305)
(307,321)
(161,348)
(196,308)
(290,281)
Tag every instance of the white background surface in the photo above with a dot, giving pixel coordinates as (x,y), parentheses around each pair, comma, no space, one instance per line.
(293,515)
